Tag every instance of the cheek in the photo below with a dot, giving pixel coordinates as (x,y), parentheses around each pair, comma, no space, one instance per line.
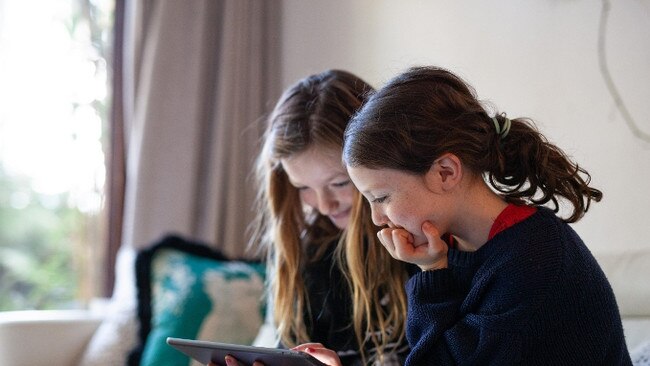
(408,215)
(404,218)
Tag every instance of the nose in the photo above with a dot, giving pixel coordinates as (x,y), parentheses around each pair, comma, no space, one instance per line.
(327,203)
(378,216)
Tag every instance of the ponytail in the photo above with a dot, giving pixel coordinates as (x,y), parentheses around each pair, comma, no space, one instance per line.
(525,168)
(428,111)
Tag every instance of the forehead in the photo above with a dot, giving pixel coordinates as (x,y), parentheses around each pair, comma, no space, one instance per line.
(368,180)
(375,180)
(314,164)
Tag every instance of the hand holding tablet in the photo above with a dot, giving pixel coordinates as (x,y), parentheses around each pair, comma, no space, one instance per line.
(206,352)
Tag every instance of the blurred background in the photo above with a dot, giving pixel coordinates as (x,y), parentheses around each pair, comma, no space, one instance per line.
(579,68)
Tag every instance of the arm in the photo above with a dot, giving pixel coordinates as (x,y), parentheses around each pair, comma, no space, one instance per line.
(441,332)
(533,294)
(461,315)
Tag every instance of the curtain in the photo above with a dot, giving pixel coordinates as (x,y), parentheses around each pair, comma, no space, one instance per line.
(116,161)
(199,75)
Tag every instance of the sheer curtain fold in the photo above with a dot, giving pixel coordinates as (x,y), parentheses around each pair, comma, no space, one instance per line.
(199,76)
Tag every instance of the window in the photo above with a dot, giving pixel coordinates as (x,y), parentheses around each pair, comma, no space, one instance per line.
(53,112)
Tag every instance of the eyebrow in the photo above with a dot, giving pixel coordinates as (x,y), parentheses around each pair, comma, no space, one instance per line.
(330,178)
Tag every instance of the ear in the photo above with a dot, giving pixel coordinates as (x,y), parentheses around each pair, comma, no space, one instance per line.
(445,173)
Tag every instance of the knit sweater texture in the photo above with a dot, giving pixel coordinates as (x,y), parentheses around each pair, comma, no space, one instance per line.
(532,295)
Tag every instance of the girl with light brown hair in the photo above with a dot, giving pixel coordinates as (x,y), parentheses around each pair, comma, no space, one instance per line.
(330,281)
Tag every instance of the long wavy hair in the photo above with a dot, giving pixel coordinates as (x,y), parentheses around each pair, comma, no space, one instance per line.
(315,112)
(428,111)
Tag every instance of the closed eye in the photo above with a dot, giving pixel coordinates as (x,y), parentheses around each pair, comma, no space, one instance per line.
(341,184)
(380,199)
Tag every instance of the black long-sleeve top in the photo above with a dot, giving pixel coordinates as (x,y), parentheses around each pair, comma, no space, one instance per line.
(329,320)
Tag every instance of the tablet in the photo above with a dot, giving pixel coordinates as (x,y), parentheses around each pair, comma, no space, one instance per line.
(205,352)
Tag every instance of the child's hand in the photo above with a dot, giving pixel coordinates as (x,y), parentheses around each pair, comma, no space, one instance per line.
(428,256)
(231,361)
(319,352)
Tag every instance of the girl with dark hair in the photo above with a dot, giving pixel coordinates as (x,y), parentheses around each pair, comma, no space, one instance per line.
(464,196)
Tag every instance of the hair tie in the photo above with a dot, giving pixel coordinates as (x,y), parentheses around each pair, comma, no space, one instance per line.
(502,132)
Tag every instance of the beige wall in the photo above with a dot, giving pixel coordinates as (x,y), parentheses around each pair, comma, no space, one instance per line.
(530,58)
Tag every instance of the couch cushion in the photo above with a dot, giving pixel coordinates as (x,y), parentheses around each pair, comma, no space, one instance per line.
(45,337)
(628,273)
(187,290)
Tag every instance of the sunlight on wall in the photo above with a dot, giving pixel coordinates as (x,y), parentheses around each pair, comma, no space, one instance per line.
(536,59)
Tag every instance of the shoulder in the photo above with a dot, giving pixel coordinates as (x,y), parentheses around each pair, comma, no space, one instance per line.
(535,260)
(524,262)
(543,237)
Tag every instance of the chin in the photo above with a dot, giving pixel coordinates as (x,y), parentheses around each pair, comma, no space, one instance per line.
(341,223)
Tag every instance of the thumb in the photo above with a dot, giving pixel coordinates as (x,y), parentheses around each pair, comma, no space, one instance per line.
(430,231)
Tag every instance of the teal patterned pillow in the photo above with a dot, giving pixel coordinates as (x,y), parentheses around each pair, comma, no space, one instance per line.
(188,290)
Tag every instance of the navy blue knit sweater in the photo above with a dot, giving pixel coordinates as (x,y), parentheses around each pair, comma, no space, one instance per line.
(532,295)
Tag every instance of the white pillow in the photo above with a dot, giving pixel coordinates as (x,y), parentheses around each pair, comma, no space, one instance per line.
(117,334)
(641,355)
(113,341)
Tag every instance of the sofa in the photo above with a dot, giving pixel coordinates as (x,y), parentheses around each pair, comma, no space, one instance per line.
(107,333)
(182,289)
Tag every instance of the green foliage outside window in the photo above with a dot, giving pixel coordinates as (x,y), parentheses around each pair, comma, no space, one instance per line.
(53,98)
(36,262)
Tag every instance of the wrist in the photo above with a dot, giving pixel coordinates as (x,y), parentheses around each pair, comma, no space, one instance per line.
(439,264)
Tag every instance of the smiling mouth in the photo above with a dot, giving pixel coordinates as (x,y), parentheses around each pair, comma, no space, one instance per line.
(340,215)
